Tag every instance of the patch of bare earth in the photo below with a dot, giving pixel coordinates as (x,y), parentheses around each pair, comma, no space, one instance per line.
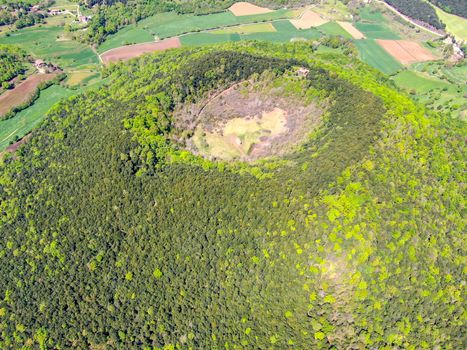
(308,20)
(23,92)
(125,53)
(234,116)
(406,51)
(247,9)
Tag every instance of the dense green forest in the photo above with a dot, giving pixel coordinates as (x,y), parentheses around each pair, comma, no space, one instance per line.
(419,10)
(114,237)
(12,63)
(112,16)
(19,12)
(456,7)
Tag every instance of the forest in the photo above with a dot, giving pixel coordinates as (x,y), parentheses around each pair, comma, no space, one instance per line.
(19,14)
(116,237)
(419,10)
(12,63)
(112,16)
(456,7)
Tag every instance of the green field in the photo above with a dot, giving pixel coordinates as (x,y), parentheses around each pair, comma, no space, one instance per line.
(27,120)
(376,56)
(197,39)
(454,24)
(247,29)
(376,31)
(333,28)
(170,24)
(373,24)
(285,32)
(42,42)
(437,94)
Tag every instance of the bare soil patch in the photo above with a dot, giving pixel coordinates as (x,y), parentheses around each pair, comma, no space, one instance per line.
(349,28)
(130,51)
(308,20)
(246,123)
(247,9)
(406,51)
(23,92)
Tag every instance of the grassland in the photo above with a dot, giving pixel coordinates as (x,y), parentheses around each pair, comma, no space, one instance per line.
(333,28)
(27,120)
(454,24)
(81,78)
(247,29)
(48,44)
(284,32)
(374,25)
(376,56)
(170,24)
(437,94)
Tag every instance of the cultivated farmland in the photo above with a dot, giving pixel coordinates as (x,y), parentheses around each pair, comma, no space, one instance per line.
(48,44)
(131,51)
(27,120)
(170,24)
(406,52)
(376,56)
(22,93)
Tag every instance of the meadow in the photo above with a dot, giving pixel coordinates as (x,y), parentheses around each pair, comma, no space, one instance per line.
(47,43)
(333,28)
(376,56)
(437,94)
(283,32)
(27,120)
(454,24)
(170,24)
(374,25)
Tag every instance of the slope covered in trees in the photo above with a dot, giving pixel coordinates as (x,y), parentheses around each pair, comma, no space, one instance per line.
(419,10)
(12,63)
(19,12)
(456,7)
(113,236)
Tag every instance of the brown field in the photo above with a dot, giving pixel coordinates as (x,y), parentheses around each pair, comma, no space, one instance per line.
(127,52)
(247,9)
(308,20)
(22,92)
(349,28)
(405,51)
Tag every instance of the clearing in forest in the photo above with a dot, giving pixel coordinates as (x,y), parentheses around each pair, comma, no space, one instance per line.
(405,51)
(130,51)
(23,92)
(308,20)
(250,120)
(356,34)
(247,9)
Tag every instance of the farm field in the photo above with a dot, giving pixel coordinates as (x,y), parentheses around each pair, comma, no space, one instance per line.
(374,25)
(376,56)
(406,52)
(333,28)
(308,19)
(247,29)
(43,42)
(170,24)
(354,32)
(128,52)
(81,78)
(22,92)
(27,120)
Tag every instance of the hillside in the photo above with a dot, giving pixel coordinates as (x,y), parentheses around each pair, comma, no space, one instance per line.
(117,234)
(456,7)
